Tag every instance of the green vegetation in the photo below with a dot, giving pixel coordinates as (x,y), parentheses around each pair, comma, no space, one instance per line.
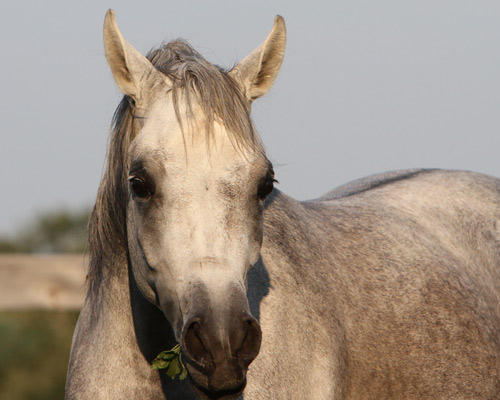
(51,232)
(34,353)
(171,362)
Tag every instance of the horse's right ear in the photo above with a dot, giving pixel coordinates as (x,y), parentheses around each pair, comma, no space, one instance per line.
(257,71)
(133,72)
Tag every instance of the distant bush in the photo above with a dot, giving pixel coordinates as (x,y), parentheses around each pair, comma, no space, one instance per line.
(34,353)
(51,232)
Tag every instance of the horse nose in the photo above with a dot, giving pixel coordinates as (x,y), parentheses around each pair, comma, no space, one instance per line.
(208,349)
(194,344)
(250,345)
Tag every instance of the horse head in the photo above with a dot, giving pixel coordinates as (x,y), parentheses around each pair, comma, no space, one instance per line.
(197,179)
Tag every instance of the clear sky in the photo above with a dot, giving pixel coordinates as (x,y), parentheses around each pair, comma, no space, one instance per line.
(366,86)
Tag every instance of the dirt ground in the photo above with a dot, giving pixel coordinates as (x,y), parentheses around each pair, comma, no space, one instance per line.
(45,282)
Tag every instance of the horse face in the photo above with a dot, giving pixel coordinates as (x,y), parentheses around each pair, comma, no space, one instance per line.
(194,214)
(194,222)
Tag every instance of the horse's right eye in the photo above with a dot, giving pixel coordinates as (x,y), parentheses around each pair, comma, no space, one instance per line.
(266,187)
(139,188)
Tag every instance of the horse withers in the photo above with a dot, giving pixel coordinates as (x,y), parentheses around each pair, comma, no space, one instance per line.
(387,287)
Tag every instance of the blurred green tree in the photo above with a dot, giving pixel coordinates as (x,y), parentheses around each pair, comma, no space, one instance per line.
(61,231)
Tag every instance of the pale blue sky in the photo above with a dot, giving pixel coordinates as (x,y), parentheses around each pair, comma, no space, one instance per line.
(366,86)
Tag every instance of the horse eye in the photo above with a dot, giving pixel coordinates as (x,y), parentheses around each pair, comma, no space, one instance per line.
(139,188)
(266,187)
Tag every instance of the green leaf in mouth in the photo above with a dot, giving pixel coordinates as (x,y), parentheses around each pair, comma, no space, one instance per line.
(171,362)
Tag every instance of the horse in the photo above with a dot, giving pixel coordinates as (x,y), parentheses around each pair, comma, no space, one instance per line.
(384,288)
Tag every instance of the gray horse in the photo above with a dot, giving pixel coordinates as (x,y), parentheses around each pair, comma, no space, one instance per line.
(385,288)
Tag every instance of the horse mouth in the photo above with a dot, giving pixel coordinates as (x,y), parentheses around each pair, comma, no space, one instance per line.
(206,390)
(226,394)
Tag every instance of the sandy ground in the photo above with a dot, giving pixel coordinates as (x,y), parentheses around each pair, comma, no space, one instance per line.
(42,281)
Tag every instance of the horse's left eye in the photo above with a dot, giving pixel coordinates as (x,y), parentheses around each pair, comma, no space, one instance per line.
(266,187)
(139,188)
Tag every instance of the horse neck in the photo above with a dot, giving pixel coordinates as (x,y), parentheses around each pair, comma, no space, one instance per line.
(119,333)
(118,303)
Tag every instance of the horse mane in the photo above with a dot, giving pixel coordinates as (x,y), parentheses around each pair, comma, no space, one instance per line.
(194,79)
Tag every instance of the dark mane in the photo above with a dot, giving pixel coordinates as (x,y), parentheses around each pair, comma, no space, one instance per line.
(194,80)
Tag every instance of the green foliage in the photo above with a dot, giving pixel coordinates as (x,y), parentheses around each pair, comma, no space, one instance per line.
(52,232)
(9,246)
(171,362)
(34,353)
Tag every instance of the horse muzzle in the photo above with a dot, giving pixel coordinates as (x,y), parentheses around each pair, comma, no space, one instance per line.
(219,352)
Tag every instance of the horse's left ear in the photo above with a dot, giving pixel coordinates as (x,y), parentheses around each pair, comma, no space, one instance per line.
(134,74)
(257,71)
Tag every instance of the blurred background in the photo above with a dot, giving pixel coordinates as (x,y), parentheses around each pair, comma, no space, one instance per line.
(366,86)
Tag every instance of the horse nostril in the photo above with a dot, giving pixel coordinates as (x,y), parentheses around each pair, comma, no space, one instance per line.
(251,342)
(193,344)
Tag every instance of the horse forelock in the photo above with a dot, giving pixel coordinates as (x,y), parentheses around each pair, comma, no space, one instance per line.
(194,81)
(197,81)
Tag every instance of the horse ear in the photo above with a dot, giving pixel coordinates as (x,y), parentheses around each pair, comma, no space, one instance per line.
(132,71)
(257,71)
